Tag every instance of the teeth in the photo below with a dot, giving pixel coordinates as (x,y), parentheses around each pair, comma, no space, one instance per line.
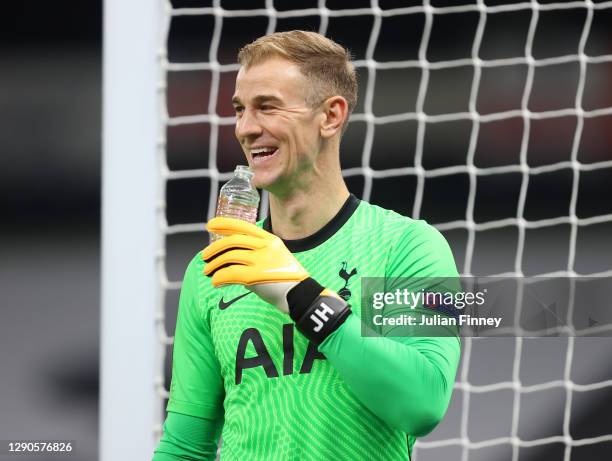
(261,150)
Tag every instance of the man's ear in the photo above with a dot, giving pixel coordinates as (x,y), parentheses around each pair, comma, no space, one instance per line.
(335,110)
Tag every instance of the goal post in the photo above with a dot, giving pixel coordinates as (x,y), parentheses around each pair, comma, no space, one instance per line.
(129,403)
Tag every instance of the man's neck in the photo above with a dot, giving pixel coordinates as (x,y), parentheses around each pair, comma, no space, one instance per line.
(303,213)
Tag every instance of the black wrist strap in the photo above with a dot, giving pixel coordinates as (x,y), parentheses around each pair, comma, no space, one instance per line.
(315,315)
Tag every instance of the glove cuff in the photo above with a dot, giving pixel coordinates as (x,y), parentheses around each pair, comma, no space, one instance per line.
(316,314)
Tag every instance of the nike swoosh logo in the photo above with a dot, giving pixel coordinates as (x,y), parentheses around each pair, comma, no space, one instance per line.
(225,304)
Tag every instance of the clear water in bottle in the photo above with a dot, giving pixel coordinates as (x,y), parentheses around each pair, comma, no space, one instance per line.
(238,198)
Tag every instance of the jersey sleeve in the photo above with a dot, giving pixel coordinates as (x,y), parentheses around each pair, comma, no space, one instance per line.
(409,380)
(188,438)
(197,386)
(421,251)
(421,261)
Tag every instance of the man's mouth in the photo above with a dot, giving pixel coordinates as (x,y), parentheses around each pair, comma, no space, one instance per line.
(262,154)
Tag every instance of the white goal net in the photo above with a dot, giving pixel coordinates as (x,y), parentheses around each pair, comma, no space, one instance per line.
(489,119)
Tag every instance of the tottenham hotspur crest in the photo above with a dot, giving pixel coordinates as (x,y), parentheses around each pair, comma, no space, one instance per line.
(344,292)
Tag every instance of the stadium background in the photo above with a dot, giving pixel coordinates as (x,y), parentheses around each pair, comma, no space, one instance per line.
(50,184)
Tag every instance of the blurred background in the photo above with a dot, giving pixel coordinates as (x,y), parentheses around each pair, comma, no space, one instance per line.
(50,93)
(50,97)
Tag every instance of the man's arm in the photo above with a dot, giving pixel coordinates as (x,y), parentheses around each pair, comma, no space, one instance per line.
(188,438)
(195,407)
(408,380)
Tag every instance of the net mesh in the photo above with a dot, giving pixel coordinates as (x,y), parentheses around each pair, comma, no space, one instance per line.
(205,112)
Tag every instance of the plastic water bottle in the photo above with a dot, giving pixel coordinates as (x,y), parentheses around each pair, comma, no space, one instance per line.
(238,198)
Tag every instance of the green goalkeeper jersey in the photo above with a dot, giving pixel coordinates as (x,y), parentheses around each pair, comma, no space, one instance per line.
(239,359)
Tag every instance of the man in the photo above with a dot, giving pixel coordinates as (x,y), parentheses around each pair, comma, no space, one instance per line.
(268,349)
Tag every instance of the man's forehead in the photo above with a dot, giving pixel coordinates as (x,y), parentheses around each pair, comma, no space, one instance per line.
(274,77)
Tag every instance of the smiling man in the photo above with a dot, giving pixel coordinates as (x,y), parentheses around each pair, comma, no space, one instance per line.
(268,350)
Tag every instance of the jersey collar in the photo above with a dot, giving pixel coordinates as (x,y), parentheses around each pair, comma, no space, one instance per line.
(323,234)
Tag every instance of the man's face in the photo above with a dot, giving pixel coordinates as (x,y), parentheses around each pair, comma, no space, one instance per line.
(278,131)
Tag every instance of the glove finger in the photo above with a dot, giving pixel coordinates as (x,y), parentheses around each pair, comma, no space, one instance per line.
(229,258)
(229,243)
(227,226)
(234,274)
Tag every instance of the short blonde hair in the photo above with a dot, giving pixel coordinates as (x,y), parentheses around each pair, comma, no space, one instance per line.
(325,63)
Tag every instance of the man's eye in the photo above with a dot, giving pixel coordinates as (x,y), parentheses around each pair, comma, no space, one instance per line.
(266,107)
(239,110)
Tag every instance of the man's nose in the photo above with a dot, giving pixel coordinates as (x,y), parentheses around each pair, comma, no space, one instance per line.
(247,125)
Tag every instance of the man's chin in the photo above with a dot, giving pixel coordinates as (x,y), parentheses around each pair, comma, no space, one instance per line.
(271,183)
(262,180)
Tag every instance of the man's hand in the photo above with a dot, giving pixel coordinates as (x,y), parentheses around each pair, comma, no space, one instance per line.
(254,258)
(259,260)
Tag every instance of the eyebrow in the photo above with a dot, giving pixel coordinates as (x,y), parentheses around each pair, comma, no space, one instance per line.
(258,99)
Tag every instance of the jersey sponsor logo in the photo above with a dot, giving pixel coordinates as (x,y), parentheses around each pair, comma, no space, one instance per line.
(264,359)
(345,275)
(225,304)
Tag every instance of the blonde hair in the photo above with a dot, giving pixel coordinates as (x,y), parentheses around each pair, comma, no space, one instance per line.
(326,64)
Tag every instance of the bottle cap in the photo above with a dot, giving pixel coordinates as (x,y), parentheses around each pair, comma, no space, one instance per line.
(243,170)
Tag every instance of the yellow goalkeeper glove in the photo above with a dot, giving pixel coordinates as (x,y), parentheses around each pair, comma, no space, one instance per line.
(259,260)
(252,257)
